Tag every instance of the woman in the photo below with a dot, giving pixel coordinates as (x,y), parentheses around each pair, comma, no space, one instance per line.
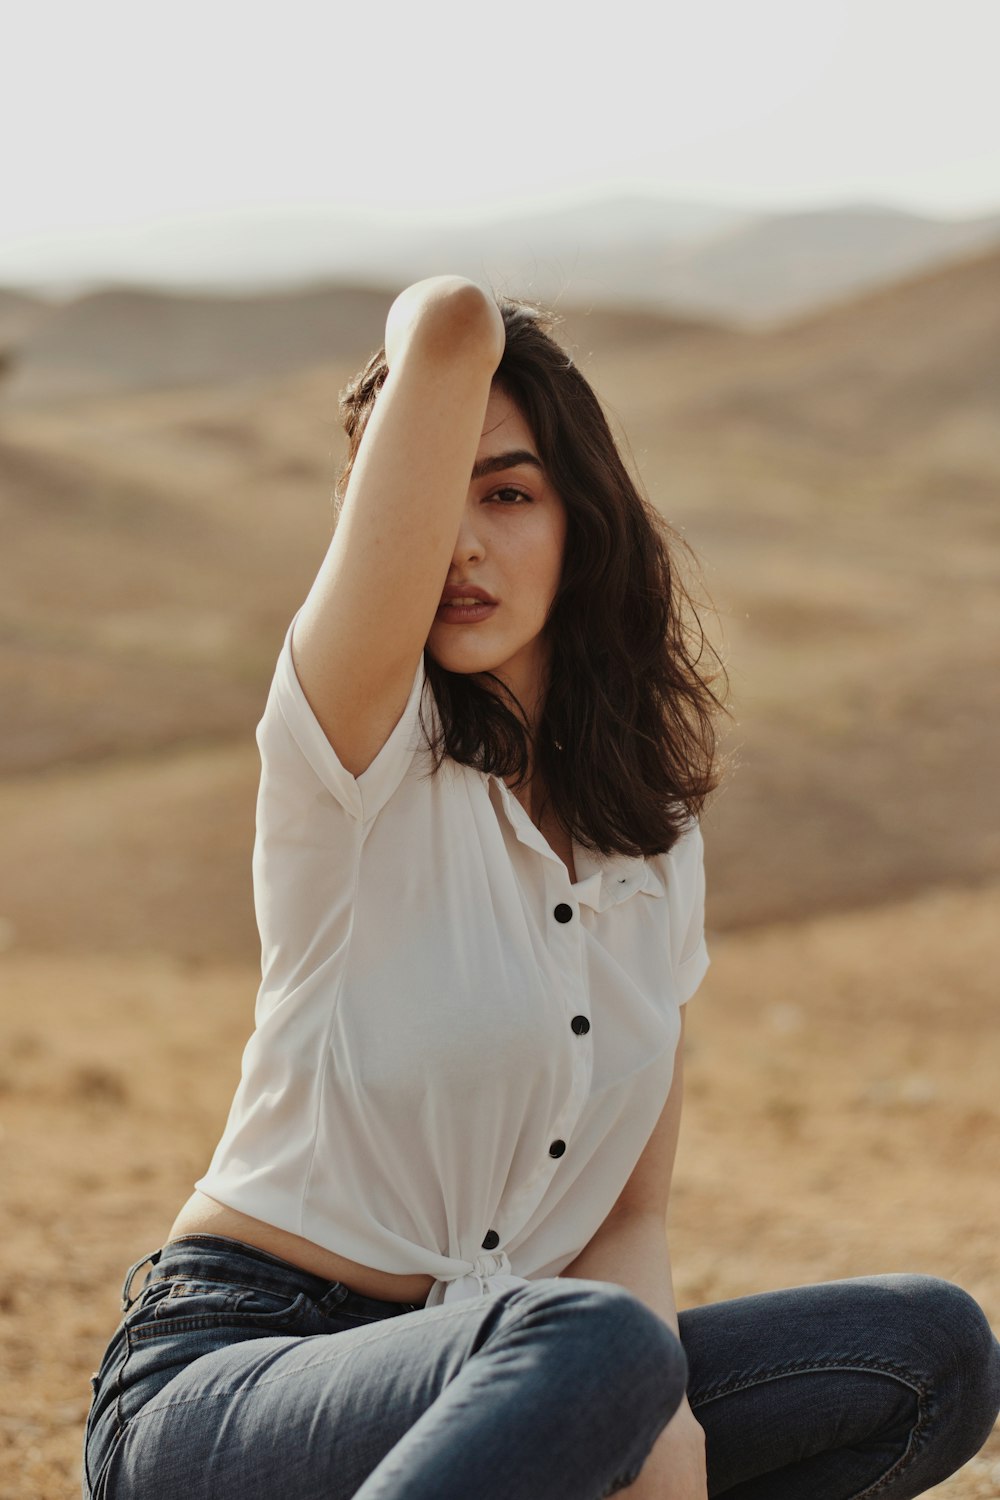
(428,1257)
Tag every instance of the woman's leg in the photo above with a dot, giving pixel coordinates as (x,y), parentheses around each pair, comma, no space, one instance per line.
(554,1391)
(871,1386)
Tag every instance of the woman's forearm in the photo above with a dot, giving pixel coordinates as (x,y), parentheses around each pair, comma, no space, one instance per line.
(632,1251)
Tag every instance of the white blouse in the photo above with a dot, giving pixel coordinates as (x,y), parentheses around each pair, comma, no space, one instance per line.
(459,1055)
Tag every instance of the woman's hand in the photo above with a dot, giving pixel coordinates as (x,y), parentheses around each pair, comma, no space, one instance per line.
(675,1467)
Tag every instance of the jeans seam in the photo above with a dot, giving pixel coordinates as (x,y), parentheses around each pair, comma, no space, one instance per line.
(842,1362)
(909,1452)
(120,1424)
(95,1485)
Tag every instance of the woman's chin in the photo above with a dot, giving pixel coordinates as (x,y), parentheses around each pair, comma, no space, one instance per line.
(463,658)
(462,666)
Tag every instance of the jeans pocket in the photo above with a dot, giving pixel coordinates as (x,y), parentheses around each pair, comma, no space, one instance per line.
(178,1320)
(183,1304)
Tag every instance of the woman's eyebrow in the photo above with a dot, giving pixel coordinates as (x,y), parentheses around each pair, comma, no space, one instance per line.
(510,460)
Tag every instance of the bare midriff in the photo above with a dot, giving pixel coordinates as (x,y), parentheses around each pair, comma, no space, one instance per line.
(203,1215)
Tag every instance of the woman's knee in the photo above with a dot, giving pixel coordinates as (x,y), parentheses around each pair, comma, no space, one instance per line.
(968,1344)
(958,1348)
(628,1347)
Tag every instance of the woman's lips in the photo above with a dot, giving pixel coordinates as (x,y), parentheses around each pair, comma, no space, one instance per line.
(464,614)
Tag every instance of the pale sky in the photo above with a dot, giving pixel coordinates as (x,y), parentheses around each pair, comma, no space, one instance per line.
(115,114)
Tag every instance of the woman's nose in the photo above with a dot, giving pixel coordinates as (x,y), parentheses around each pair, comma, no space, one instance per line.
(468,542)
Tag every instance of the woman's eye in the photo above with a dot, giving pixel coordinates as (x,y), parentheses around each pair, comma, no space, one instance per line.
(509,490)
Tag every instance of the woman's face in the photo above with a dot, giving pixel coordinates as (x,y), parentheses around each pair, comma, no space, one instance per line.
(510,543)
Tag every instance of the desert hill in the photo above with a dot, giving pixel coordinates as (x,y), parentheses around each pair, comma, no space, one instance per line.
(123,340)
(909,372)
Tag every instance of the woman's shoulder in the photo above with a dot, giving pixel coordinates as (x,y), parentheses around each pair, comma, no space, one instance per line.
(681,868)
(686,850)
(295,750)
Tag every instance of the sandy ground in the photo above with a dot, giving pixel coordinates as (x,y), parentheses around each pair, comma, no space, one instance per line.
(841,1119)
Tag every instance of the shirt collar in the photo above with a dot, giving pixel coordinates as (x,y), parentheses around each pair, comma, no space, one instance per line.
(603,880)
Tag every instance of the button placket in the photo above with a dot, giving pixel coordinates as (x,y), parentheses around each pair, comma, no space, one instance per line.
(570,931)
(567,948)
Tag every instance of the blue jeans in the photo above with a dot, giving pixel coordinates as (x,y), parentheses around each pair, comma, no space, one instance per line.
(237,1376)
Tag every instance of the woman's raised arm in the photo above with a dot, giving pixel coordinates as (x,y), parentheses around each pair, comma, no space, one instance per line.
(363,625)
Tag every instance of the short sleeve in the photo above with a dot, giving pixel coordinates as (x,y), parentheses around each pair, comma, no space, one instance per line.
(691,955)
(361,797)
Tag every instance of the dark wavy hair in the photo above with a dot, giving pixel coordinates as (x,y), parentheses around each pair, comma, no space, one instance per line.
(625,741)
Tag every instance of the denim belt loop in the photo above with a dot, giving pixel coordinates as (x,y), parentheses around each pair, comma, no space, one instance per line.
(152,1257)
(332,1299)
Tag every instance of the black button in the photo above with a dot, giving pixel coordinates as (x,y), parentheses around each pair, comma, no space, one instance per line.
(563,913)
(580,1024)
(557,1148)
(491,1241)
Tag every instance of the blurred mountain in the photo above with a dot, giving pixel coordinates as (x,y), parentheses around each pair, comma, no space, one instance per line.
(259,294)
(773,269)
(121,339)
(257,251)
